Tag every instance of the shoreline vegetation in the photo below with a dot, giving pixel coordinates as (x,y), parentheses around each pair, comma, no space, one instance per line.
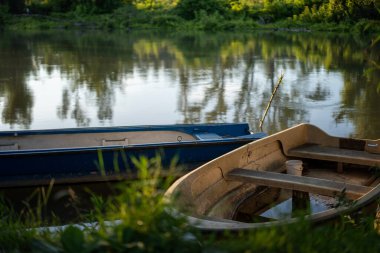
(137,219)
(353,16)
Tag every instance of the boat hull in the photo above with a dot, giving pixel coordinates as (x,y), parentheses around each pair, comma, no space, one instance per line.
(81,164)
(232,191)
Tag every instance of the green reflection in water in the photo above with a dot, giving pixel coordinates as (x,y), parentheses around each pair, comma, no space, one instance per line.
(216,78)
(16,100)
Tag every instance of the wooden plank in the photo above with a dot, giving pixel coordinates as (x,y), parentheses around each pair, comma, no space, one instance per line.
(336,155)
(299,183)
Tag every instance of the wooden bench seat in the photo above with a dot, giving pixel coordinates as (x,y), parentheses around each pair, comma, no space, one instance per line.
(319,152)
(299,183)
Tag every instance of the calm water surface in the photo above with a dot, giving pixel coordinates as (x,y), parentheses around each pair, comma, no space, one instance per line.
(65,79)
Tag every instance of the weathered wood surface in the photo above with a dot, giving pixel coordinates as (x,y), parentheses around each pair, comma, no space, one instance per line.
(373,146)
(335,154)
(271,153)
(299,183)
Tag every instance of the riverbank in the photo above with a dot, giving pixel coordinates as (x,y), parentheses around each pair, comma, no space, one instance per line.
(185,15)
(120,22)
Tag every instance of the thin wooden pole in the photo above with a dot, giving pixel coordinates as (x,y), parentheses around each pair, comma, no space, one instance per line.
(270,101)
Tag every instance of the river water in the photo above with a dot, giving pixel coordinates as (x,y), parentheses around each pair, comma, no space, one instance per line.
(60,79)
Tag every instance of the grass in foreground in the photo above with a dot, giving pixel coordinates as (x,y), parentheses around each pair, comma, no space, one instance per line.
(137,221)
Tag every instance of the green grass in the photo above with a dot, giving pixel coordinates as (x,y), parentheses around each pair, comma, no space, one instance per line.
(143,224)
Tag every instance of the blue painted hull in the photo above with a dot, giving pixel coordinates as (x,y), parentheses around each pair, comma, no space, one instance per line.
(67,165)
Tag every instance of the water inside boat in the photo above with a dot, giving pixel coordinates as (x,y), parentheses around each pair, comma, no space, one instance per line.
(289,204)
(268,203)
(287,208)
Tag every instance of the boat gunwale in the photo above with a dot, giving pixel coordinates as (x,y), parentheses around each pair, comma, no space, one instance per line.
(186,128)
(155,145)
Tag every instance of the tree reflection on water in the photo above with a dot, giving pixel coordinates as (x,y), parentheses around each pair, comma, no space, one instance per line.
(219,77)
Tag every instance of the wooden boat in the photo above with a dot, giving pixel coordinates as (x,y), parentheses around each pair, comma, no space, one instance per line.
(34,157)
(249,188)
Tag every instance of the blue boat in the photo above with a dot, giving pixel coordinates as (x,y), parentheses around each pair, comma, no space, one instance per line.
(35,157)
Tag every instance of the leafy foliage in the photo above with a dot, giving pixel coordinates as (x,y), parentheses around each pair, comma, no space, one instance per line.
(13,6)
(340,10)
(216,14)
(3,14)
(190,9)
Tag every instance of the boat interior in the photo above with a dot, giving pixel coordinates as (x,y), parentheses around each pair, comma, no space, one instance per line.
(249,184)
(78,140)
(280,195)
